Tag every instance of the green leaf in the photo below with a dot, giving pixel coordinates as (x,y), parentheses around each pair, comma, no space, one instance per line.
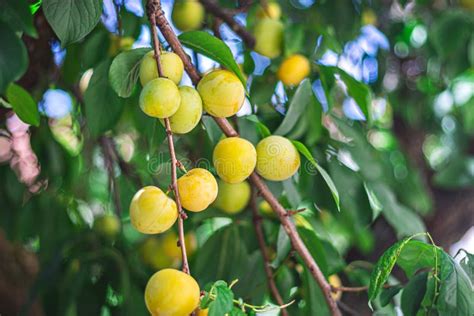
(95,47)
(223,302)
(467,263)
(405,221)
(13,57)
(262,128)
(102,105)
(313,296)
(262,89)
(35,6)
(283,247)
(413,294)
(124,71)
(223,256)
(445,41)
(23,104)
(72,20)
(456,174)
(212,129)
(384,266)
(294,38)
(327,178)
(301,100)
(16,13)
(237,312)
(455,292)
(315,247)
(417,255)
(359,91)
(386,295)
(212,47)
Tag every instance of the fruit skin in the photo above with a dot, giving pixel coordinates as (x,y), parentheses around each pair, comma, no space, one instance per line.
(171,66)
(203,312)
(277,158)
(107,225)
(187,15)
(265,209)
(232,198)
(335,281)
(170,248)
(272,11)
(369,17)
(170,292)
(293,70)
(189,112)
(197,189)
(222,93)
(234,159)
(160,98)
(160,253)
(152,211)
(152,255)
(268,37)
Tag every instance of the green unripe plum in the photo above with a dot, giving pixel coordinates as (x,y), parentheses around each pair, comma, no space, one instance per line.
(277,158)
(152,211)
(272,11)
(107,225)
(187,15)
(232,198)
(266,209)
(222,93)
(197,189)
(234,159)
(151,253)
(268,37)
(171,292)
(160,98)
(189,112)
(171,66)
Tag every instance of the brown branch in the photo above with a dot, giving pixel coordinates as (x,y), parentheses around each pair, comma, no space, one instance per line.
(153,7)
(261,187)
(226,16)
(257,221)
(109,154)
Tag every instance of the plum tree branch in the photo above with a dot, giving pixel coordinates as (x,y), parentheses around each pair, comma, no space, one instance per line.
(154,6)
(257,223)
(213,7)
(258,183)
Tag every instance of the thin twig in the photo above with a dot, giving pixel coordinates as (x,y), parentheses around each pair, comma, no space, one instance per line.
(356,289)
(213,7)
(152,7)
(259,184)
(109,155)
(257,223)
(294,212)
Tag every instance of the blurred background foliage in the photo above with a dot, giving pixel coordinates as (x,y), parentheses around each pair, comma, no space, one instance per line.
(388,111)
